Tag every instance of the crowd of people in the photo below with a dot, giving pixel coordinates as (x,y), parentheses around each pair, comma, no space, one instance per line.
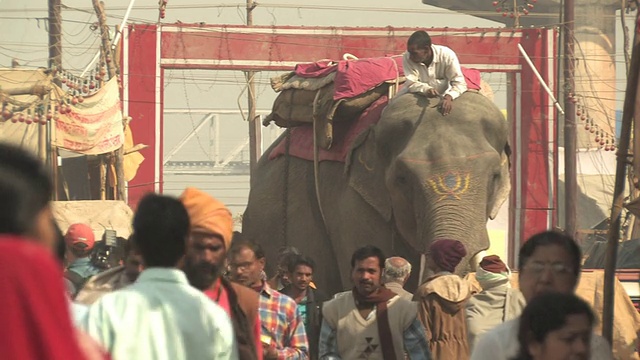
(188,287)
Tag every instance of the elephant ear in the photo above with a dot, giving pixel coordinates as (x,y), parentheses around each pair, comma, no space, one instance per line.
(366,173)
(501,185)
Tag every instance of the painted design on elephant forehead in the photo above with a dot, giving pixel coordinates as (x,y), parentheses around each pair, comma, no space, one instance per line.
(450,185)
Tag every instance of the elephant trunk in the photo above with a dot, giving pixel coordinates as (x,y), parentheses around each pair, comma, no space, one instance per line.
(466,223)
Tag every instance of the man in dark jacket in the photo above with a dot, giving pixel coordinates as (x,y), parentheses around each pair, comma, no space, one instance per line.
(309,300)
(209,240)
(441,301)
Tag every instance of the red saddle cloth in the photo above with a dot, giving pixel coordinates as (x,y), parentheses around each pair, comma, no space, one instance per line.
(356,77)
(344,133)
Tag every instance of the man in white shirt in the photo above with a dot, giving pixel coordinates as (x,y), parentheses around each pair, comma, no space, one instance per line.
(548,262)
(432,70)
(160,316)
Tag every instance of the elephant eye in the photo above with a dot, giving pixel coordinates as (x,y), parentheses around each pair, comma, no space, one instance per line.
(401,180)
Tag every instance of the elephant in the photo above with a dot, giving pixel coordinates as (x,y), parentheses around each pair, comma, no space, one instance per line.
(413,177)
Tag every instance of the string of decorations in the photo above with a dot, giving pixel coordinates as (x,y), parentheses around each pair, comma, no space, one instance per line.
(38,112)
(74,91)
(602,138)
(162,8)
(513,8)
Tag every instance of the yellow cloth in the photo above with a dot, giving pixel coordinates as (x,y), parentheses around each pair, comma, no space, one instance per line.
(208,214)
(131,160)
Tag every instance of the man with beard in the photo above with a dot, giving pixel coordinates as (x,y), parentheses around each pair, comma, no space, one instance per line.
(371,321)
(309,300)
(209,239)
(283,335)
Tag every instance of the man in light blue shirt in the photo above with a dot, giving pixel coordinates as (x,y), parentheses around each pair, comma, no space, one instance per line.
(160,316)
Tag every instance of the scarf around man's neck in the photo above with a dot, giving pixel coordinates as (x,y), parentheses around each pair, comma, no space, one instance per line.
(380,298)
(489,280)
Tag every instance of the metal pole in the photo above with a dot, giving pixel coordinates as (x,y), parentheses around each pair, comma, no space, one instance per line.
(215,138)
(539,77)
(254,124)
(570,148)
(631,107)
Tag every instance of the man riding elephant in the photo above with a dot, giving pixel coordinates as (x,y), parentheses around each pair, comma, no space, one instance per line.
(432,70)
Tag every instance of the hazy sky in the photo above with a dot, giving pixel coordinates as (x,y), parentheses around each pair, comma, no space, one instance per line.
(25,38)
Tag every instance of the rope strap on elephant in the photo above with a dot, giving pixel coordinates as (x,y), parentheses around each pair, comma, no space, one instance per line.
(285,190)
(316,162)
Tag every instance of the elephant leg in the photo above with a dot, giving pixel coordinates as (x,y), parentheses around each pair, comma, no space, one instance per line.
(281,213)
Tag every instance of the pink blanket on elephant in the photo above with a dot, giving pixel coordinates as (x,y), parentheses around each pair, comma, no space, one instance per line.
(344,133)
(354,77)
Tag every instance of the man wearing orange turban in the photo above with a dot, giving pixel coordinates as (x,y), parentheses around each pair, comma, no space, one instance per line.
(210,238)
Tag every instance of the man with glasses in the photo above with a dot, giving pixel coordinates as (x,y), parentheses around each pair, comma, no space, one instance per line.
(283,333)
(548,262)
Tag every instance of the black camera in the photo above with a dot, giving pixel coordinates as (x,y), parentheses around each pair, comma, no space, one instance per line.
(109,251)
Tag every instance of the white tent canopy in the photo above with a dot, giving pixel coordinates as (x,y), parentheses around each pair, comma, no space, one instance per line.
(99,214)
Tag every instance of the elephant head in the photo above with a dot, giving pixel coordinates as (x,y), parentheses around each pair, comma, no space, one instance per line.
(435,176)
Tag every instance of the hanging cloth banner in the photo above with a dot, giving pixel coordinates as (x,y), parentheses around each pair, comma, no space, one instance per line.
(94,126)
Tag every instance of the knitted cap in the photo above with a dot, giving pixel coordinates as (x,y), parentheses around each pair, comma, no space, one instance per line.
(492,263)
(447,253)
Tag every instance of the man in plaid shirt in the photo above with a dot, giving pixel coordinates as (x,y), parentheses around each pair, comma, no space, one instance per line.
(283,334)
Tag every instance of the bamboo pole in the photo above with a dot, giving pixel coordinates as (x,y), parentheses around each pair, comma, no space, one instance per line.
(631,107)
(111,71)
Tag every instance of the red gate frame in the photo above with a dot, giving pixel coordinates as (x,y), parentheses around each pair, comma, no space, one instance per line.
(150,49)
